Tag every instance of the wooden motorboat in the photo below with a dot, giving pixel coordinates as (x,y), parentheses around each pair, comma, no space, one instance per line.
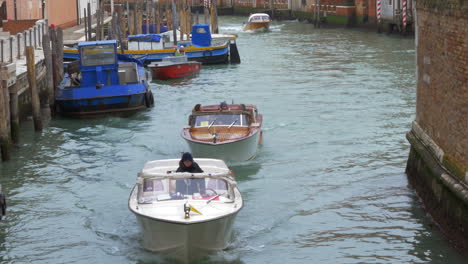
(102,82)
(258,21)
(174,67)
(185,215)
(230,132)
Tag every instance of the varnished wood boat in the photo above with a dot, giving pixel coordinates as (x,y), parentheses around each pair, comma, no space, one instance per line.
(230,132)
(258,21)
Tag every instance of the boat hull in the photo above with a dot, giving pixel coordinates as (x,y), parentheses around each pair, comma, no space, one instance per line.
(257,26)
(100,105)
(240,150)
(186,241)
(175,71)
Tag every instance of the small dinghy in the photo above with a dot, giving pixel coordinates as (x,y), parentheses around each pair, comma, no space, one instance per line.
(173,67)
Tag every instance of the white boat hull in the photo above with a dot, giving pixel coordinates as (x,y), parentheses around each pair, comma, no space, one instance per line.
(241,150)
(186,241)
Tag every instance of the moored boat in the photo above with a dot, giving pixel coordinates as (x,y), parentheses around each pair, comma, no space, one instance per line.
(185,215)
(258,21)
(203,47)
(174,67)
(102,82)
(230,132)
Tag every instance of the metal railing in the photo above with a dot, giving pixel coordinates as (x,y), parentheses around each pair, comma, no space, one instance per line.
(14,47)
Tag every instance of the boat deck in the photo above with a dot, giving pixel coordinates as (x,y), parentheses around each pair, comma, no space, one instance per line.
(222,133)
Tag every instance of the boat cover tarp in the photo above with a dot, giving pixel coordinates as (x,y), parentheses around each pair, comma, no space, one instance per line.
(146,37)
(201,35)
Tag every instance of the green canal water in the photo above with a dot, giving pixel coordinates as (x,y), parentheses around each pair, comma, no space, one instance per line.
(327,186)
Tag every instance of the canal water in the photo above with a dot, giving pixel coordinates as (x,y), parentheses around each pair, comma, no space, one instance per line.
(327,186)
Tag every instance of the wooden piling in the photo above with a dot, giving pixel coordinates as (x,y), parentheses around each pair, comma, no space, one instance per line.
(135,17)
(174,23)
(128,30)
(85,25)
(214,18)
(5,143)
(49,69)
(90,35)
(157,23)
(14,114)
(36,107)
(59,52)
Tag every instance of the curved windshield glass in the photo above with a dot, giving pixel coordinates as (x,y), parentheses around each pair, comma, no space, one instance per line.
(219,120)
(98,55)
(176,189)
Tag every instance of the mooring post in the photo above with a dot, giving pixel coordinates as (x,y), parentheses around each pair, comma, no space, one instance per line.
(11,49)
(36,105)
(85,26)
(14,113)
(59,53)
(18,44)
(5,143)
(25,36)
(90,34)
(49,69)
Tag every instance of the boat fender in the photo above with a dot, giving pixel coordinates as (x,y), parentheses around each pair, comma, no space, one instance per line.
(3,206)
(197,108)
(149,99)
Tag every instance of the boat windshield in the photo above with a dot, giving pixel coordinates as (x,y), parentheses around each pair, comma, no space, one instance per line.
(219,120)
(98,55)
(153,190)
(259,19)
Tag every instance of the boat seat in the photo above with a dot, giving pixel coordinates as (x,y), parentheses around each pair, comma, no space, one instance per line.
(129,69)
(223,133)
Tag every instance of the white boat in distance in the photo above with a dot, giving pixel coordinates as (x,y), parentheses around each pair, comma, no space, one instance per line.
(230,132)
(185,215)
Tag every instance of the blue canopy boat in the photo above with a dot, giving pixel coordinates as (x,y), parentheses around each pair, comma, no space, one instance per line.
(102,81)
(202,47)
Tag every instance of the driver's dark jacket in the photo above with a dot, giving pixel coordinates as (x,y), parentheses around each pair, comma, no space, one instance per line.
(192,186)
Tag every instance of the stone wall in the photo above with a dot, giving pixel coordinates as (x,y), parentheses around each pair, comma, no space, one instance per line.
(442,59)
(438,160)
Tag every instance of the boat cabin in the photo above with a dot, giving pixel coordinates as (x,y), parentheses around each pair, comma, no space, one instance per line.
(100,66)
(259,18)
(166,184)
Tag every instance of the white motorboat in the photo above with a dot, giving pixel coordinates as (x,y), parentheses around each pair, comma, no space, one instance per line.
(230,132)
(185,215)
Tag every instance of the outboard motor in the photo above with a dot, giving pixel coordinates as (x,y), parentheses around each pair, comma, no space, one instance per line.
(2,204)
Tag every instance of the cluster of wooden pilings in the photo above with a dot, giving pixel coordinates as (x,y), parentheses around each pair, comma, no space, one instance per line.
(11,88)
(130,17)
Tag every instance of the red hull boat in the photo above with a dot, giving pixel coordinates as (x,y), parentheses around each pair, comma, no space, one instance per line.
(174,67)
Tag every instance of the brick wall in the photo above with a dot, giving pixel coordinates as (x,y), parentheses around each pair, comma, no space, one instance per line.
(16,26)
(442,83)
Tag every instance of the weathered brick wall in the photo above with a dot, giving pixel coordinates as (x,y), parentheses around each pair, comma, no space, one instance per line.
(442,86)
(16,26)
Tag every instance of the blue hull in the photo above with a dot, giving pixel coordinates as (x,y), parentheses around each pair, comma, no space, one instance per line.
(101,105)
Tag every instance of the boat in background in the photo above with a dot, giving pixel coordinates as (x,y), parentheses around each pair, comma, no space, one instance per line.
(230,132)
(174,67)
(185,215)
(203,47)
(258,21)
(102,82)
